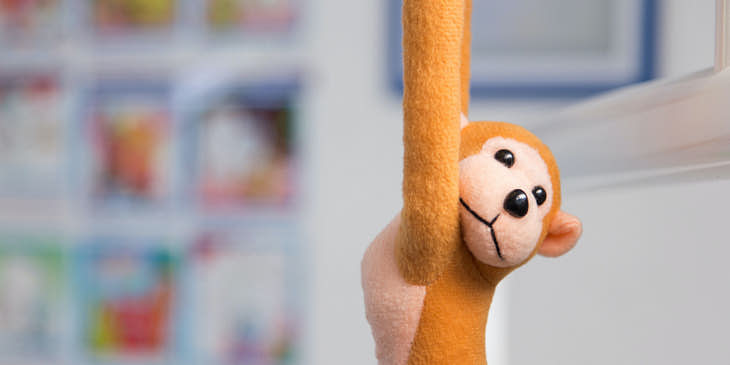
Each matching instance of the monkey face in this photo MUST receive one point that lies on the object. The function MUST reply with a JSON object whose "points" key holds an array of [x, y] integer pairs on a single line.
{"points": [[505, 192]]}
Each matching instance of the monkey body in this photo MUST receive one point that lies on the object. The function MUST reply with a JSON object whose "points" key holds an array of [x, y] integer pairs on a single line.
{"points": [[479, 200], [408, 320], [443, 320]]}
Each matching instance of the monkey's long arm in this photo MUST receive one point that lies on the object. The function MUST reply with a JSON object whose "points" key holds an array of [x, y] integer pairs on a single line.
{"points": [[432, 51], [466, 59]]}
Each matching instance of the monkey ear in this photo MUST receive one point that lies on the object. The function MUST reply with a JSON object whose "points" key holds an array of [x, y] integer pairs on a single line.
{"points": [[464, 121], [563, 234]]}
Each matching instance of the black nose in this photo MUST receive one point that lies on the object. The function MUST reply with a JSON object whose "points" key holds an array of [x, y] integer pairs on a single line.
{"points": [[516, 203]]}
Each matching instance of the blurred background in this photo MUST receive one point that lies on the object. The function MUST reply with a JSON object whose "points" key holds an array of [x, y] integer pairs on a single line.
{"points": [[195, 181]]}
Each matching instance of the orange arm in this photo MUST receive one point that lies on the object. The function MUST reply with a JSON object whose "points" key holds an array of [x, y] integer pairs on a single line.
{"points": [[466, 58], [429, 231]]}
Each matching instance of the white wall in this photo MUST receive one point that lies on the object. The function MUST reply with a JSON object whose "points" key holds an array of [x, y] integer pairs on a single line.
{"points": [[647, 283], [353, 152], [687, 30], [354, 148]]}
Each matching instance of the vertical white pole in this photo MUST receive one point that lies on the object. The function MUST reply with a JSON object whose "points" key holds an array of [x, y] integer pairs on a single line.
{"points": [[722, 35]]}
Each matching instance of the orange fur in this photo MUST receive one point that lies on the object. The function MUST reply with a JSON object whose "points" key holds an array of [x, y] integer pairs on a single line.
{"points": [[454, 315], [473, 137], [429, 249], [466, 58], [429, 231]]}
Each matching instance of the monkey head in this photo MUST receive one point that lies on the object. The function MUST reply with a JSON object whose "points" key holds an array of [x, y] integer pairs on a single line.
{"points": [[509, 197]]}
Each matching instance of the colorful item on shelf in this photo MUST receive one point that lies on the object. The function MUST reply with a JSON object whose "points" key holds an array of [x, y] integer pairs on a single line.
{"points": [[29, 20], [129, 130], [32, 292], [128, 290], [32, 128], [243, 146], [123, 16], [256, 323], [250, 15]]}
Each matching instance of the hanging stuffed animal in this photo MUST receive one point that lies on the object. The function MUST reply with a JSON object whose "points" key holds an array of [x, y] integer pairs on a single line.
{"points": [[479, 200]]}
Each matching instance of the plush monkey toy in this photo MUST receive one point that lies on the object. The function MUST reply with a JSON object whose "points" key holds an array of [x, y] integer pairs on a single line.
{"points": [[479, 200]]}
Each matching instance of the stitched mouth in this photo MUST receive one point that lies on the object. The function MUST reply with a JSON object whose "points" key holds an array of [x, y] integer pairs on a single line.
{"points": [[487, 223]]}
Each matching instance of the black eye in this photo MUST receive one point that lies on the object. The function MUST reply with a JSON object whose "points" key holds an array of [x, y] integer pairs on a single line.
{"points": [[540, 195], [505, 157]]}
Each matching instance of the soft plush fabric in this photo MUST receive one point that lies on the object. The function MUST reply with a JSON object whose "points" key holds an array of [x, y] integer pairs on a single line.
{"points": [[517, 236], [454, 316], [427, 295], [432, 35], [474, 135], [466, 58], [393, 307], [564, 231]]}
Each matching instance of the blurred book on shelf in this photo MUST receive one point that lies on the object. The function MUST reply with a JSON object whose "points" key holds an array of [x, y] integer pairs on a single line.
{"points": [[116, 16], [258, 322], [32, 132], [226, 16], [24, 21], [128, 135], [146, 259], [242, 144], [127, 295], [33, 290]]}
